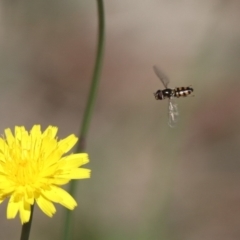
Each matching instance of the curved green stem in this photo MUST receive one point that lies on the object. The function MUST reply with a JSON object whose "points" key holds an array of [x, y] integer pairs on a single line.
{"points": [[26, 227], [89, 109], [95, 78]]}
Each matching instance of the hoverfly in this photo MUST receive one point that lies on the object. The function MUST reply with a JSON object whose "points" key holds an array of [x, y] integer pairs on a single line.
{"points": [[171, 94]]}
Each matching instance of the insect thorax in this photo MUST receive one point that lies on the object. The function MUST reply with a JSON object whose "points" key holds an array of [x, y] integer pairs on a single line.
{"points": [[166, 93]]}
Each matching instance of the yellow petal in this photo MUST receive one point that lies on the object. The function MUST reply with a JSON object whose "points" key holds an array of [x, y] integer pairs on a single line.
{"points": [[61, 196], [67, 143], [74, 160], [48, 146], [9, 136], [60, 181], [3, 148], [52, 159], [29, 196], [50, 132], [24, 211], [12, 208], [79, 173], [20, 132], [35, 132], [46, 206], [51, 195]]}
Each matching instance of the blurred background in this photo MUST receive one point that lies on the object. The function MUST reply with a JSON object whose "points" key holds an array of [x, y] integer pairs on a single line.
{"points": [[148, 181]]}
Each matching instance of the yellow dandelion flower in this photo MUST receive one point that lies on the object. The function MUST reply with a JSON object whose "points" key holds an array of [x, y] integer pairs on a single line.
{"points": [[32, 167]]}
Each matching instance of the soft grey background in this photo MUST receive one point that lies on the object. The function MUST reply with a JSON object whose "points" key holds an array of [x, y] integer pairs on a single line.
{"points": [[148, 181]]}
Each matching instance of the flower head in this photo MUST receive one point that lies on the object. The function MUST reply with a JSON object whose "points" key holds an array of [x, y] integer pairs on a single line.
{"points": [[32, 167]]}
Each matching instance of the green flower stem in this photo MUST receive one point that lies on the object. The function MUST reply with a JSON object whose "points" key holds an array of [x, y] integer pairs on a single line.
{"points": [[89, 109], [26, 227]]}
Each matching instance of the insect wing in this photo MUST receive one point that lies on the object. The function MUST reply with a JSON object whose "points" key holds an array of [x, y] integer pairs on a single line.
{"points": [[172, 113], [164, 79]]}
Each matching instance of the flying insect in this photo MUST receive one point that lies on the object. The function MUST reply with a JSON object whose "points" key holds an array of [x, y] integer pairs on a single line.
{"points": [[170, 94]]}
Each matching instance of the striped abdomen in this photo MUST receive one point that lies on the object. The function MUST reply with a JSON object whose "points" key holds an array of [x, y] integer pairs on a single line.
{"points": [[182, 91]]}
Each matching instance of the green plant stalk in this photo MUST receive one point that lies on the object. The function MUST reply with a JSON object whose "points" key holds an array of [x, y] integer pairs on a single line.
{"points": [[26, 227], [87, 116]]}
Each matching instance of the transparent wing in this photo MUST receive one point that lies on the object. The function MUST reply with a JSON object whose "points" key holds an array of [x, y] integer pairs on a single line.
{"points": [[172, 113], [164, 79]]}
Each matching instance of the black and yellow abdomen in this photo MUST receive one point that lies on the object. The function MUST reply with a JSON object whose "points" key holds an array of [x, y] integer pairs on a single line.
{"points": [[182, 91]]}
